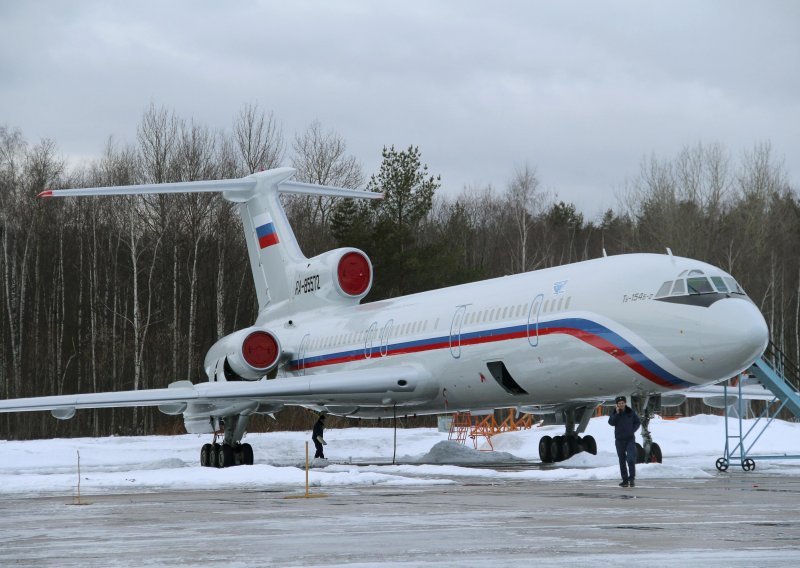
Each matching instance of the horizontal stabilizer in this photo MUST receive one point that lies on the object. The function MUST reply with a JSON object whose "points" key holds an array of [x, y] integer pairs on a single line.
{"points": [[211, 186], [231, 187], [325, 190]]}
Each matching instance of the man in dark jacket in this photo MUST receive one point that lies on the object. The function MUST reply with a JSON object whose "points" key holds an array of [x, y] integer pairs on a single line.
{"points": [[625, 422], [316, 437]]}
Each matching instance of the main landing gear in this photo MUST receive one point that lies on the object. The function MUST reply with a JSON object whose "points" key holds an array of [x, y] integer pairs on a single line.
{"points": [[560, 448], [223, 455], [231, 451]]}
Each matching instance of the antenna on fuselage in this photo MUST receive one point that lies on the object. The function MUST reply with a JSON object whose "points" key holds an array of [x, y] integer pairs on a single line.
{"points": [[669, 252], [605, 254]]}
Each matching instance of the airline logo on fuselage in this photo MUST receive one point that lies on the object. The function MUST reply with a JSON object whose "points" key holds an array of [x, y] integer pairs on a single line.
{"points": [[265, 231]]}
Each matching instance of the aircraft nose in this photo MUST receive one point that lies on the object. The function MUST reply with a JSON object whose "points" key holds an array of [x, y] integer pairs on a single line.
{"points": [[735, 333]]}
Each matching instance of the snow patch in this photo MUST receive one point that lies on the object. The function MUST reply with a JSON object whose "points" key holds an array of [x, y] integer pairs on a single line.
{"points": [[448, 451], [152, 463]]}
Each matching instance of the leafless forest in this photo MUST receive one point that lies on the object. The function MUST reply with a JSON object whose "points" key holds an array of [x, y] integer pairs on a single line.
{"points": [[129, 293]]}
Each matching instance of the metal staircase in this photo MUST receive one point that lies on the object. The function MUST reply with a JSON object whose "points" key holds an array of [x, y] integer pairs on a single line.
{"points": [[781, 376]]}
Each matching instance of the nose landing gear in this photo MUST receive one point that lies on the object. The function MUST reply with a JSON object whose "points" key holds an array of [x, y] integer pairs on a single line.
{"points": [[649, 452]]}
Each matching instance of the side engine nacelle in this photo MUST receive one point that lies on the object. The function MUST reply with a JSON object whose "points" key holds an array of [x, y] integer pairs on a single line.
{"points": [[338, 275], [247, 354]]}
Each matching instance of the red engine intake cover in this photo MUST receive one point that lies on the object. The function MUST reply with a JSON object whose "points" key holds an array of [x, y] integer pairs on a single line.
{"points": [[354, 273], [260, 350]]}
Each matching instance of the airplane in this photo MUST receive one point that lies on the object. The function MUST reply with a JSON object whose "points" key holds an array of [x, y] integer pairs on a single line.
{"points": [[558, 341]]}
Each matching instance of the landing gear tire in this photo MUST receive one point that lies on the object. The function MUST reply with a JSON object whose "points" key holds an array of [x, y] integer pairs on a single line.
{"points": [[573, 445], [225, 456], [749, 464], [560, 448], [556, 449], [546, 449], [246, 454], [639, 453], [213, 456], [205, 455], [589, 445], [722, 464], [655, 453]]}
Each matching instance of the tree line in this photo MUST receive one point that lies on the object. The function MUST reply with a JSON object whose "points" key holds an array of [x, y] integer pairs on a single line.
{"points": [[129, 292]]}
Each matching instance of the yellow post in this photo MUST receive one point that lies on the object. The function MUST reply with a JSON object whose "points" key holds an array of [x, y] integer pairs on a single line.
{"points": [[307, 494]]}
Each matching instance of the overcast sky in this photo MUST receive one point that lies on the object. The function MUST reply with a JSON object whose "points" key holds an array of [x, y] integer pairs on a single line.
{"points": [[579, 90]]}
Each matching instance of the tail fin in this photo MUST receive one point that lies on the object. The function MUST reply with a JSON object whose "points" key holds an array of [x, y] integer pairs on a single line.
{"points": [[275, 256]]}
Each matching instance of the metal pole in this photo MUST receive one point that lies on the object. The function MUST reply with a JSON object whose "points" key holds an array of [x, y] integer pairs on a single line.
{"points": [[394, 452]]}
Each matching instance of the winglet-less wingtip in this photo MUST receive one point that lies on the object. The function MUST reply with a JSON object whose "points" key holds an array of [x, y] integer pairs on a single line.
{"points": [[46, 193]]}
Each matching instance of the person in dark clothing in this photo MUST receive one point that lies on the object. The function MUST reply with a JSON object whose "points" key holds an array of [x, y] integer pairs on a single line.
{"points": [[316, 437], [625, 422]]}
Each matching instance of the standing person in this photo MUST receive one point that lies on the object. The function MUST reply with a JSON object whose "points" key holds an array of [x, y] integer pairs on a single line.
{"points": [[625, 422], [316, 437]]}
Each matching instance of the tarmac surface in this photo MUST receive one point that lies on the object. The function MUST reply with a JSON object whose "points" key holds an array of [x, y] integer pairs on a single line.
{"points": [[733, 519]]}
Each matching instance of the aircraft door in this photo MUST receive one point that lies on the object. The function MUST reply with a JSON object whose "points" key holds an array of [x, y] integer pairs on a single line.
{"points": [[301, 354], [386, 332], [533, 320], [370, 339], [455, 331]]}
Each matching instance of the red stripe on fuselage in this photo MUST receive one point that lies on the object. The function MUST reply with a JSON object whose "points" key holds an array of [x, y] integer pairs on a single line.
{"points": [[587, 337], [604, 345]]}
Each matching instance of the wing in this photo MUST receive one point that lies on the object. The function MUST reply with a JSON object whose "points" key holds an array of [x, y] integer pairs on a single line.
{"points": [[401, 385]]}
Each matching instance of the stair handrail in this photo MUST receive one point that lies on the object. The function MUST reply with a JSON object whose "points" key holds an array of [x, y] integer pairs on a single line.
{"points": [[782, 365]]}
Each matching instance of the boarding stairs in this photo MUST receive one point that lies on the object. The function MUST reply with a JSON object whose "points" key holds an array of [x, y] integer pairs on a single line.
{"points": [[775, 371], [464, 426]]}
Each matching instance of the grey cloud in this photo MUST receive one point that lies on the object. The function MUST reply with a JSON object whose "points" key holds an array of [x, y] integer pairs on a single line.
{"points": [[581, 90]]}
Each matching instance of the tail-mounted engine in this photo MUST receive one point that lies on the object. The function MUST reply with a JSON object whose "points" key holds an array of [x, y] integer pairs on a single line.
{"points": [[248, 354], [341, 275]]}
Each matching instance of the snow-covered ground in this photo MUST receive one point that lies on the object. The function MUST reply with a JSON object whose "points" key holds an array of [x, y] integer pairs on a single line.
{"points": [[690, 447]]}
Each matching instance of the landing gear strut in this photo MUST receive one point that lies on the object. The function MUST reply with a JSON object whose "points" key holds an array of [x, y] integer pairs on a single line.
{"points": [[650, 452], [231, 451], [560, 448]]}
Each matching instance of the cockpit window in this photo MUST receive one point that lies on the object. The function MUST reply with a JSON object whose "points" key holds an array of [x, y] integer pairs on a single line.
{"points": [[664, 290], [679, 288], [719, 284], [699, 285], [694, 282], [733, 285]]}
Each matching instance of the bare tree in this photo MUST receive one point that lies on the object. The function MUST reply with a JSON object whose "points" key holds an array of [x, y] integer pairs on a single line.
{"points": [[158, 142], [259, 138], [523, 203], [320, 157]]}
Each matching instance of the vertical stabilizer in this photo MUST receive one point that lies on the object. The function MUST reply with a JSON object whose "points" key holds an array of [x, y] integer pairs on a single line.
{"points": [[271, 244]]}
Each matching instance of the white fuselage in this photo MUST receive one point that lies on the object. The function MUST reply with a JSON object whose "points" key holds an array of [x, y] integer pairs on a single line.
{"points": [[582, 331]]}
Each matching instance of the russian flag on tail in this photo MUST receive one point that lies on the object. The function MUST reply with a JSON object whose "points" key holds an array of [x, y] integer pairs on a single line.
{"points": [[265, 230]]}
